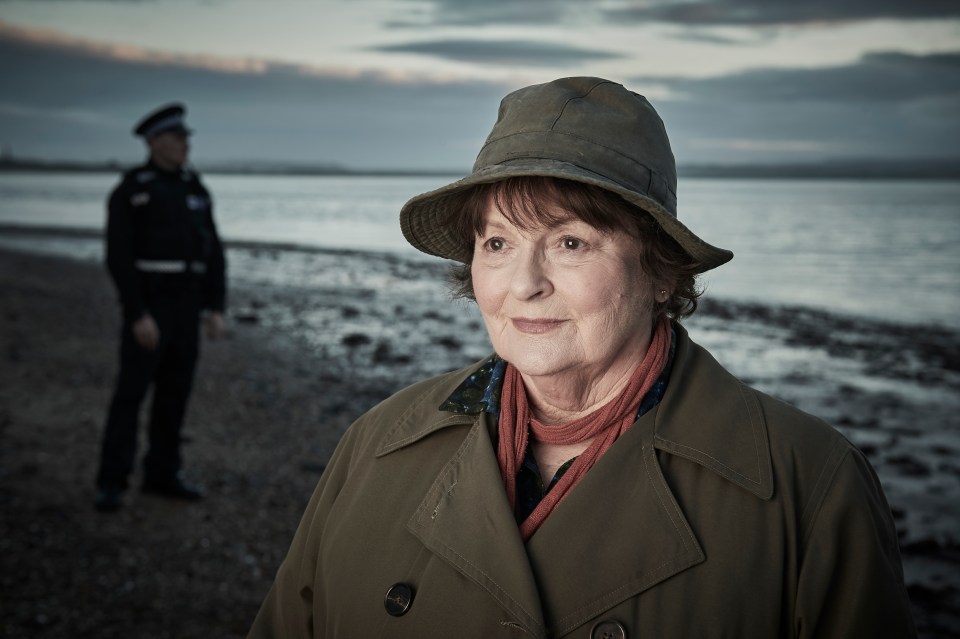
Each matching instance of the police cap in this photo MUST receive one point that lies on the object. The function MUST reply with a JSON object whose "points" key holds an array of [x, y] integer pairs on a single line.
{"points": [[166, 118]]}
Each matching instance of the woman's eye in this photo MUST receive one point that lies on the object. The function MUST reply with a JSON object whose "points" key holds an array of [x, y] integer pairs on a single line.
{"points": [[494, 244], [572, 243]]}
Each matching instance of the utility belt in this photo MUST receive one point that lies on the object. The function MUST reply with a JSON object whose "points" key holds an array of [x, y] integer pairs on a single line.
{"points": [[170, 266]]}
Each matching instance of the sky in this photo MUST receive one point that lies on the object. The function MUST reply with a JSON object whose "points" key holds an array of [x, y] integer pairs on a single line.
{"points": [[415, 84]]}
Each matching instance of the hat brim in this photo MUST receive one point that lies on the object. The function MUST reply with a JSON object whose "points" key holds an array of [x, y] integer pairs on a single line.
{"points": [[174, 129], [423, 219]]}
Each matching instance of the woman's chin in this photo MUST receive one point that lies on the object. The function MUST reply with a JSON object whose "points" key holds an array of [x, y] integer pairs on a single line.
{"points": [[538, 363]]}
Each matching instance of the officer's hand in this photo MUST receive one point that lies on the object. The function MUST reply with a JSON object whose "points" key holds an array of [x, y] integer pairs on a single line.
{"points": [[146, 333], [215, 325]]}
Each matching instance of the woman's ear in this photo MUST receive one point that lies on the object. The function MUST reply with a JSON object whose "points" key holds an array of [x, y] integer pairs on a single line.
{"points": [[661, 293]]}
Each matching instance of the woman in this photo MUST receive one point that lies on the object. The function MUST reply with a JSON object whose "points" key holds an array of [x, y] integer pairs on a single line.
{"points": [[601, 475]]}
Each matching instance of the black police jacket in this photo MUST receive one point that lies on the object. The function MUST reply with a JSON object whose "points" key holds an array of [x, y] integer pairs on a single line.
{"points": [[160, 225]]}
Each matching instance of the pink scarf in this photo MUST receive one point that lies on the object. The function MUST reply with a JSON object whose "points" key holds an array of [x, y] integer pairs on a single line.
{"points": [[605, 425]]}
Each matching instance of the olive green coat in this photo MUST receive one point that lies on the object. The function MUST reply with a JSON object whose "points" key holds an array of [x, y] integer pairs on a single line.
{"points": [[721, 513]]}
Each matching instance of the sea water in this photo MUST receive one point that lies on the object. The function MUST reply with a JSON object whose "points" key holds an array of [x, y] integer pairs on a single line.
{"points": [[887, 249]]}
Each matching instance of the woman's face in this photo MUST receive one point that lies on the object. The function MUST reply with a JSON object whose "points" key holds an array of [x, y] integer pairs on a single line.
{"points": [[561, 300]]}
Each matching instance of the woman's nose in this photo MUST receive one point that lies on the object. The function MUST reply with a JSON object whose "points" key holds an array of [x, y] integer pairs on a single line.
{"points": [[530, 277]]}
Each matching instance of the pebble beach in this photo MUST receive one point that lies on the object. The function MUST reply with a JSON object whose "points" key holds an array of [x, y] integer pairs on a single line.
{"points": [[317, 337]]}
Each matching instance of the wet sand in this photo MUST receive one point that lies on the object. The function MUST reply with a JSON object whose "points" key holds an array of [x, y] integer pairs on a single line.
{"points": [[315, 339]]}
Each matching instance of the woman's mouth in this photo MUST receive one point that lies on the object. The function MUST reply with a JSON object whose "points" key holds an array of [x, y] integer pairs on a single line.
{"points": [[535, 326]]}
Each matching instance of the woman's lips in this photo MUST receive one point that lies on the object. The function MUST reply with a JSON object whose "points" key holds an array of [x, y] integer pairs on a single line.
{"points": [[535, 326]]}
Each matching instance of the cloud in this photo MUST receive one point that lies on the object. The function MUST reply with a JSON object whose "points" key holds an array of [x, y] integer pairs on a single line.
{"points": [[460, 13], [79, 101], [705, 36], [762, 146], [684, 12], [43, 40], [765, 12], [886, 105], [876, 77], [67, 99], [505, 52]]}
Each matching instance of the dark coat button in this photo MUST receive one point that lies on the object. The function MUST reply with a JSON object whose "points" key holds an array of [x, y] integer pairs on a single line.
{"points": [[398, 599], [608, 630]]}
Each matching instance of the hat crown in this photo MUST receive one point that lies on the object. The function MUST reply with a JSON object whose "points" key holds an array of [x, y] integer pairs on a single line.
{"points": [[167, 118], [593, 123], [586, 130]]}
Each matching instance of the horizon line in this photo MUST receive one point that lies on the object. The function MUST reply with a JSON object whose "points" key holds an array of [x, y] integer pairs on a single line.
{"points": [[930, 167]]}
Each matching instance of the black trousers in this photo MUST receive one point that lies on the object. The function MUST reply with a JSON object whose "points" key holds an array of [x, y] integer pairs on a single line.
{"points": [[170, 369]]}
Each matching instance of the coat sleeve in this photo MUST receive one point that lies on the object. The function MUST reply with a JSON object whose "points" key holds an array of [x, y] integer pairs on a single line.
{"points": [[851, 577], [288, 610], [120, 252], [216, 281]]}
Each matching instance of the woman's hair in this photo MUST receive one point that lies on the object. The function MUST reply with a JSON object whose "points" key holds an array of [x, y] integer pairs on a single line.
{"points": [[528, 202]]}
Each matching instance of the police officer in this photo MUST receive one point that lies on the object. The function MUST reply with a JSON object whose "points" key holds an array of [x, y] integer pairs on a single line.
{"points": [[167, 263]]}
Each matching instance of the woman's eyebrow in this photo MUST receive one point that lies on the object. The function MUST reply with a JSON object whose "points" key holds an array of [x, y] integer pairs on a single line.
{"points": [[495, 224]]}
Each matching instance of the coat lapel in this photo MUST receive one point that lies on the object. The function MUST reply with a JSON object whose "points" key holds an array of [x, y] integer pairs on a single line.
{"points": [[465, 519], [710, 417], [622, 522], [620, 531]]}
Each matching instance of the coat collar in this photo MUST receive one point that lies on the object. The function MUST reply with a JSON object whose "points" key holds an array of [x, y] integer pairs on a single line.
{"points": [[706, 415], [712, 418]]}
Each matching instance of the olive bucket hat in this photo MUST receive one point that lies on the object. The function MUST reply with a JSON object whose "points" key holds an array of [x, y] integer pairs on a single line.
{"points": [[587, 130]]}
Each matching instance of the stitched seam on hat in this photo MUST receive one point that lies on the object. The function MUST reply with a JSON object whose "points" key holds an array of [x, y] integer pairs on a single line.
{"points": [[578, 137], [606, 178], [585, 168], [579, 97]]}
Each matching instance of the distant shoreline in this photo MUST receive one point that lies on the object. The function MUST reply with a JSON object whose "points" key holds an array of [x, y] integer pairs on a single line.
{"points": [[112, 166], [815, 320], [927, 169], [84, 233]]}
